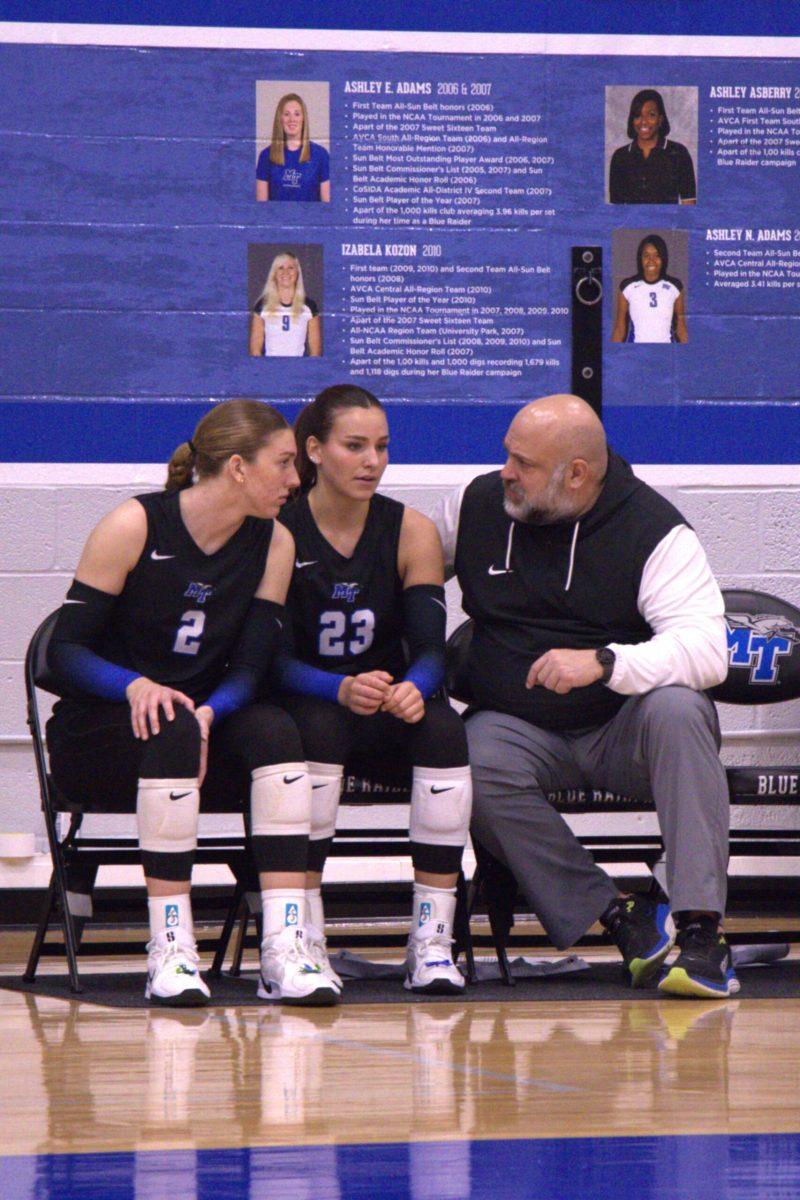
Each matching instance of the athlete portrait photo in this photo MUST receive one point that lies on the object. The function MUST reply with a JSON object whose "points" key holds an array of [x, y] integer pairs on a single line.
{"points": [[649, 284], [652, 167], [284, 286], [290, 165]]}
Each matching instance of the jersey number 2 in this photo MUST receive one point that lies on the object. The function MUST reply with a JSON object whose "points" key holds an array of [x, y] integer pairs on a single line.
{"points": [[190, 631], [334, 633]]}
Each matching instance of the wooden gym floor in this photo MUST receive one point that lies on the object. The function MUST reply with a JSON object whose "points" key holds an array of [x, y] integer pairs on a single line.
{"points": [[653, 1099]]}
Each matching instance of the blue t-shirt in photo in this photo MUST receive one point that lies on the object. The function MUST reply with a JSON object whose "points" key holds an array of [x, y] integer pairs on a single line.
{"points": [[295, 180]]}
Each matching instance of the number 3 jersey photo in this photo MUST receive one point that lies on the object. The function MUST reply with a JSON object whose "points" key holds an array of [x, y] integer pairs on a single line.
{"points": [[346, 614], [181, 610], [651, 308]]}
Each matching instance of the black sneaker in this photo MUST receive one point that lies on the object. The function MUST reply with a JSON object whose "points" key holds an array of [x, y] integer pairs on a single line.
{"points": [[644, 932], [704, 966]]}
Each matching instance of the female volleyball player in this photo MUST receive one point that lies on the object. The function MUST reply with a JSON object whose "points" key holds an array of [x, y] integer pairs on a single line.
{"points": [[292, 167], [160, 645], [650, 304], [367, 615], [285, 322]]}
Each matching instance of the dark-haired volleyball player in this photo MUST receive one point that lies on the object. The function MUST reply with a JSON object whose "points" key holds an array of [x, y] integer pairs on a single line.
{"points": [[651, 305], [368, 577]]}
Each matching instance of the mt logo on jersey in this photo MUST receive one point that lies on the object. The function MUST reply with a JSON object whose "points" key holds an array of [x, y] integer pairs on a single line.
{"points": [[345, 591], [199, 592]]}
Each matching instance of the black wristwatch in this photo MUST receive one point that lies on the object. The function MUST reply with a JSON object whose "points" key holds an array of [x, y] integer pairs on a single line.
{"points": [[606, 658]]}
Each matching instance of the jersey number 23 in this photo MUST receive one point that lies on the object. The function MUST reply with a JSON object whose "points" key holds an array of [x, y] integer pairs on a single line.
{"points": [[342, 633]]}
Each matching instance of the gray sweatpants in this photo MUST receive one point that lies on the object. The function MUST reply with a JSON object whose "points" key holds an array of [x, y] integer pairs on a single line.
{"points": [[661, 747]]}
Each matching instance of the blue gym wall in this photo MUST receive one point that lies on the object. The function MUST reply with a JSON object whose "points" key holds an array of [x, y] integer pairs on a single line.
{"points": [[128, 208]]}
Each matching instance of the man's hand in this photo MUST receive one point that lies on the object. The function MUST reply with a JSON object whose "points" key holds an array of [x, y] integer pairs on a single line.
{"points": [[562, 670], [364, 694], [405, 702]]}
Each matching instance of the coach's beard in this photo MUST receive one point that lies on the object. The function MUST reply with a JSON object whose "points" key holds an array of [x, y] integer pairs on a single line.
{"points": [[553, 506]]}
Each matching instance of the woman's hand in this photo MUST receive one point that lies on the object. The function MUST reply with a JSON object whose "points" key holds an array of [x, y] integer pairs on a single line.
{"points": [[405, 702], [364, 694], [205, 717], [145, 698]]}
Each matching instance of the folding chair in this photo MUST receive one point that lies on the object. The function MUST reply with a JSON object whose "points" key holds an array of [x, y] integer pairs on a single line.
{"points": [[76, 859]]}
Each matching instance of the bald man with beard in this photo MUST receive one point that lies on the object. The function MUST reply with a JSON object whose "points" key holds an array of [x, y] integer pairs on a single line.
{"points": [[598, 626]]}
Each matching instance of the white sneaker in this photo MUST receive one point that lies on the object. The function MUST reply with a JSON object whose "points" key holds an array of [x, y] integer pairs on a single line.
{"points": [[318, 953], [430, 966], [289, 973], [173, 970]]}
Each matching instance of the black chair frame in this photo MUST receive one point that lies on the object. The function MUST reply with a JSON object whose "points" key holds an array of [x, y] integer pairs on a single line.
{"points": [[76, 859]]}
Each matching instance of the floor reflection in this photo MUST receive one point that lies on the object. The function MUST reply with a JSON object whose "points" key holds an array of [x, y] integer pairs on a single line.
{"points": [[425, 1102]]}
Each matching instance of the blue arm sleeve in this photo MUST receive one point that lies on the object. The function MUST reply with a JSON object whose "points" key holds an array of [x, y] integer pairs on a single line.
{"points": [[425, 614], [251, 656], [297, 676], [84, 616], [293, 675]]}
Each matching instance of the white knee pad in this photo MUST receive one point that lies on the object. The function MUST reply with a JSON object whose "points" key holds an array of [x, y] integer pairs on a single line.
{"points": [[326, 788], [441, 804], [166, 814], [280, 800]]}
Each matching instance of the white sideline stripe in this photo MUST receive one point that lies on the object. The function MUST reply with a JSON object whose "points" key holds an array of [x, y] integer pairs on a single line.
{"points": [[414, 41], [113, 475]]}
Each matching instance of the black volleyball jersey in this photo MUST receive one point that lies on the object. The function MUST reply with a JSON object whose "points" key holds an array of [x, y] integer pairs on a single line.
{"points": [[346, 614], [180, 612]]}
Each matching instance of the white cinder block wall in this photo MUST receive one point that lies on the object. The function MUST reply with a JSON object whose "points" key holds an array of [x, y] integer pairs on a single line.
{"points": [[747, 517]]}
